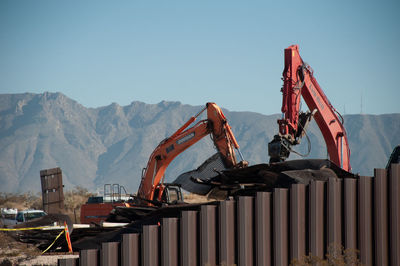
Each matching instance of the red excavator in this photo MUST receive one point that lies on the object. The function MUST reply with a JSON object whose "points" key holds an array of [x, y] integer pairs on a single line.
{"points": [[299, 81], [153, 192]]}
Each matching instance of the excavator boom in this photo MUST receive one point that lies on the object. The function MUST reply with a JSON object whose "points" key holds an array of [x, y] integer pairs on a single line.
{"points": [[299, 81], [216, 125]]}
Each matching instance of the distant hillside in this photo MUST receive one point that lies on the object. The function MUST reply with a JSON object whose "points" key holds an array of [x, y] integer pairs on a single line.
{"points": [[112, 144]]}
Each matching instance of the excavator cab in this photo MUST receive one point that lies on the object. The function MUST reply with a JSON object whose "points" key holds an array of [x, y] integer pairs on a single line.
{"points": [[170, 194]]}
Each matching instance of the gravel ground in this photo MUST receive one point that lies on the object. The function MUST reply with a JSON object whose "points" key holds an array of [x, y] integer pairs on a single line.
{"points": [[16, 253], [39, 260]]}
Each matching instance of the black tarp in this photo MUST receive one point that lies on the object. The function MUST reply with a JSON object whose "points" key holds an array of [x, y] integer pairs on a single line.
{"points": [[262, 177]]}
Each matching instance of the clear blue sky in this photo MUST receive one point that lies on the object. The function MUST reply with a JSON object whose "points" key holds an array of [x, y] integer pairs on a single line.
{"points": [[228, 52]]}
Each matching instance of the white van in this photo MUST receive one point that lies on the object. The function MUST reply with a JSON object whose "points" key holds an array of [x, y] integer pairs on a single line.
{"points": [[27, 215], [11, 217]]}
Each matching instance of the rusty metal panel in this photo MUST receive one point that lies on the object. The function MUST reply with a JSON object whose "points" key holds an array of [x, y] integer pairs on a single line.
{"points": [[245, 214], [51, 182], [350, 214], [150, 245], [394, 207], [263, 229], [51, 171], [169, 242], [130, 250], [316, 218], [52, 190], [89, 257], [52, 197], [298, 221], [208, 235], [334, 213], [189, 245], [281, 226], [381, 217], [365, 240], [227, 233], [109, 254], [68, 262]]}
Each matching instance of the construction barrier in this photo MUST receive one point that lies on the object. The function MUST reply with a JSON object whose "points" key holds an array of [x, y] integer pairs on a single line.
{"points": [[274, 228], [25, 229], [67, 237]]}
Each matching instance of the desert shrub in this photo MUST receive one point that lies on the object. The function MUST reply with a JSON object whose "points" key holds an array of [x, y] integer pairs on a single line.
{"points": [[20, 201], [194, 198], [73, 200], [336, 255]]}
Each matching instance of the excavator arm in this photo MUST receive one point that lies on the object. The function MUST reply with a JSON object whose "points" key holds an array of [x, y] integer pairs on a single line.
{"points": [[215, 125], [299, 81]]}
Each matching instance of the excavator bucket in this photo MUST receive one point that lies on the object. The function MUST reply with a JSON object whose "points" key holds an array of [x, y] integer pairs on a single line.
{"points": [[196, 181]]}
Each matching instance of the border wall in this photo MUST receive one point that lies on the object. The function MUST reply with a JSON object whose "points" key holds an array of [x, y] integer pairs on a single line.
{"points": [[272, 228]]}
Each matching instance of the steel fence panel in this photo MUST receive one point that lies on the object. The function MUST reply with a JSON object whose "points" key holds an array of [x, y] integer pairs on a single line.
{"points": [[365, 205], [208, 235], [298, 226], [130, 250], [280, 225], [263, 227], [381, 217]]}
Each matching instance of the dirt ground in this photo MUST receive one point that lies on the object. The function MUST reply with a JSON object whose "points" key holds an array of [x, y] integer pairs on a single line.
{"points": [[13, 252]]}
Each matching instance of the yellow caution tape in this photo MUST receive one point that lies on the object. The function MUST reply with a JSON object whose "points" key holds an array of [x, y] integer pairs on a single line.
{"points": [[24, 229], [54, 241], [45, 227]]}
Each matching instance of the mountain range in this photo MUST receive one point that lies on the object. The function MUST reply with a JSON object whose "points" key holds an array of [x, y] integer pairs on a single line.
{"points": [[111, 144]]}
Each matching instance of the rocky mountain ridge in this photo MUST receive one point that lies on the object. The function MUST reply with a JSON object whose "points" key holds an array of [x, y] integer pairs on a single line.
{"points": [[112, 144]]}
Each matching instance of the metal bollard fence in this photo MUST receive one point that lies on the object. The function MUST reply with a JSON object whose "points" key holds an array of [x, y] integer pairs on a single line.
{"points": [[272, 228]]}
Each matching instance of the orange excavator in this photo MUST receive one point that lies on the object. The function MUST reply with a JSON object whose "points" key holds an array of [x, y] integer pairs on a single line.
{"points": [[298, 80], [153, 191]]}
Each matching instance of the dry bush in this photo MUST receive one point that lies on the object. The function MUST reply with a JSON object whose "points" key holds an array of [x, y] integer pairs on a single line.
{"points": [[336, 255], [194, 198], [73, 200], [20, 201]]}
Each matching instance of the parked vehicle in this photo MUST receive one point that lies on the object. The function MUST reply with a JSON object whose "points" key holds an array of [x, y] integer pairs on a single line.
{"points": [[8, 216], [11, 217], [27, 215]]}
